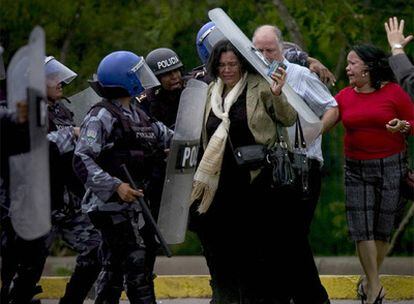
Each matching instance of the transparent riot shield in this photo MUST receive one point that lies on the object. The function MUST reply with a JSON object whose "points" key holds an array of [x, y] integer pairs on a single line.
{"points": [[81, 102], [182, 162], [311, 124], [29, 171], [2, 68]]}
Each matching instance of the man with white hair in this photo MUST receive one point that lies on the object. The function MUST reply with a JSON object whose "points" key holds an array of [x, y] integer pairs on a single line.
{"points": [[268, 40]]}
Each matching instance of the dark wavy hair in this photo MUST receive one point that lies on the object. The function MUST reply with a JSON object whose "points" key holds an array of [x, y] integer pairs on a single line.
{"points": [[214, 60], [377, 62]]}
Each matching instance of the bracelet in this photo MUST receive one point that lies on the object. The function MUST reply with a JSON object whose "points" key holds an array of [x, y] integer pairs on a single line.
{"points": [[396, 46]]}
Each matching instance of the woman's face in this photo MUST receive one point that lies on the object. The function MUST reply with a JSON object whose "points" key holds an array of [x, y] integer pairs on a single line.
{"points": [[356, 70], [229, 68]]}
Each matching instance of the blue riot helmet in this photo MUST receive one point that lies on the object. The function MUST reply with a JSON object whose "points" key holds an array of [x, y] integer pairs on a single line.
{"points": [[207, 37], [123, 74], [57, 72]]}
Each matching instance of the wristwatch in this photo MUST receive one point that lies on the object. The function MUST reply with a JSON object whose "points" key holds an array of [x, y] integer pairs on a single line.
{"points": [[396, 46]]}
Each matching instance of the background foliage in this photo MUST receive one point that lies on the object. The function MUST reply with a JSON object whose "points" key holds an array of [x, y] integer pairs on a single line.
{"points": [[79, 33]]}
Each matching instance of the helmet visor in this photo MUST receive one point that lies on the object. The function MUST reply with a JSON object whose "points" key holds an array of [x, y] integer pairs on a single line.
{"points": [[145, 75], [57, 73], [210, 38]]}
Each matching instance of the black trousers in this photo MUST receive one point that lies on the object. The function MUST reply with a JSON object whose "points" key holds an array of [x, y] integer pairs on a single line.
{"points": [[307, 287], [22, 265], [124, 264]]}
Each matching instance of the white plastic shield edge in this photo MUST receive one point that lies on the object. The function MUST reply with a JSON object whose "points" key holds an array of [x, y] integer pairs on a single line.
{"points": [[29, 172], [81, 102], [311, 124], [182, 162], [2, 68]]}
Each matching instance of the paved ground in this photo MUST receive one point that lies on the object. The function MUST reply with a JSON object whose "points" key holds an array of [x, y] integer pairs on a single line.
{"points": [[196, 265], [206, 301]]}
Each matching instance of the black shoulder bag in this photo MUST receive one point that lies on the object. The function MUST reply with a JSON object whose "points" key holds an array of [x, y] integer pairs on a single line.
{"points": [[251, 157], [300, 161]]}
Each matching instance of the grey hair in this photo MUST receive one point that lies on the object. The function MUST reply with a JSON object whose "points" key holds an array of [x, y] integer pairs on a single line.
{"points": [[275, 30]]}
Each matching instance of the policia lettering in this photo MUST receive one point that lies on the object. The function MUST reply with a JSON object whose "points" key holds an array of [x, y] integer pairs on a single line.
{"points": [[168, 62], [163, 60], [187, 156]]}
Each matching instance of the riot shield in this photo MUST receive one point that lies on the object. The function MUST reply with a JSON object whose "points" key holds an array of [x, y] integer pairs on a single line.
{"points": [[2, 68], [182, 162], [81, 102], [29, 171], [311, 124]]}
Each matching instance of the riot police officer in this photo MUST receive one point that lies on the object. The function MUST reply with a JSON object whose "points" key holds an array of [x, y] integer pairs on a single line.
{"points": [[162, 102], [116, 132], [68, 221], [22, 260]]}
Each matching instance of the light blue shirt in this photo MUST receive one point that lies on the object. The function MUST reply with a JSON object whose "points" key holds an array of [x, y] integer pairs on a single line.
{"points": [[316, 95]]}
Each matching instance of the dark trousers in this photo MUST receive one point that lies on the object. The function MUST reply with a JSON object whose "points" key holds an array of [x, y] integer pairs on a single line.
{"points": [[22, 265], [124, 262], [304, 275], [77, 231]]}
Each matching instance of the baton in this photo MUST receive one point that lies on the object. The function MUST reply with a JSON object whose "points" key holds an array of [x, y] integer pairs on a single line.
{"points": [[147, 213]]}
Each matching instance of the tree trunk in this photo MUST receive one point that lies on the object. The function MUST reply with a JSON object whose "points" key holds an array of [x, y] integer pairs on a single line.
{"points": [[70, 32], [290, 23]]}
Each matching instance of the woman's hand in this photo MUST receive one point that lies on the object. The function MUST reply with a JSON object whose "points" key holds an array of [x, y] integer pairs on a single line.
{"points": [[278, 78], [396, 125]]}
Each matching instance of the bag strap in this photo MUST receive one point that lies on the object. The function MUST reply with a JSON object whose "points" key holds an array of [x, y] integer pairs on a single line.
{"points": [[280, 139], [299, 138], [230, 142]]}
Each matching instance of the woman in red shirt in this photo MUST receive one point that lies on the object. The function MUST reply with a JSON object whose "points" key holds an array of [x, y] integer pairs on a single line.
{"points": [[377, 115]]}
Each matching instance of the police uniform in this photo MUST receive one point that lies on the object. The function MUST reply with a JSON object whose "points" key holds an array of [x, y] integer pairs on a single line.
{"points": [[68, 221], [22, 261], [112, 135]]}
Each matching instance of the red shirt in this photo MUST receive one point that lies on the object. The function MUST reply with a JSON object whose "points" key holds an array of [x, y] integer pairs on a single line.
{"points": [[364, 116]]}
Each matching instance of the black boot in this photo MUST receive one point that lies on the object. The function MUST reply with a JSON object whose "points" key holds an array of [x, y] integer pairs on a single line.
{"points": [[17, 297], [80, 284]]}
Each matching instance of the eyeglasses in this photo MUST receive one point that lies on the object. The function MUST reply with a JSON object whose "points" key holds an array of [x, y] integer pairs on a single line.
{"points": [[231, 65]]}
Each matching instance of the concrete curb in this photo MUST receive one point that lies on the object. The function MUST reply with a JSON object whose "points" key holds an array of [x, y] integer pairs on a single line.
{"points": [[197, 286]]}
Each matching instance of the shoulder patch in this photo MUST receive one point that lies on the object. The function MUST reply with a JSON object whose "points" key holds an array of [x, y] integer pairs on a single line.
{"points": [[91, 135]]}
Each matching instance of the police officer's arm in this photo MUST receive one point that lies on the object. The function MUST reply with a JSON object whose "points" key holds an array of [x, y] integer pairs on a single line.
{"points": [[163, 133], [293, 53], [65, 139], [92, 140], [324, 74]]}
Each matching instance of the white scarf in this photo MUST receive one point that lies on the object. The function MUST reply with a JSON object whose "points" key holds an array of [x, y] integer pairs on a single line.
{"points": [[207, 176]]}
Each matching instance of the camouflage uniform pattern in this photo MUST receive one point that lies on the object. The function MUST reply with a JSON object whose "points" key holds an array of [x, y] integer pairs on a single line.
{"points": [[93, 139], [126, 257], [68, 221]]}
